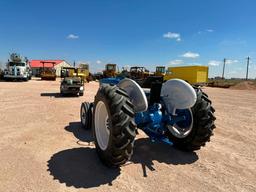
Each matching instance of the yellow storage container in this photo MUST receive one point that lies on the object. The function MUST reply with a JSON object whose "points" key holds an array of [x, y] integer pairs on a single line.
{"points": [[191, 74]]}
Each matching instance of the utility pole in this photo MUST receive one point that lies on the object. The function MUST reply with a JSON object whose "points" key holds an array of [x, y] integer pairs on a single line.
{"points": [[224, 64], [248, 62]]}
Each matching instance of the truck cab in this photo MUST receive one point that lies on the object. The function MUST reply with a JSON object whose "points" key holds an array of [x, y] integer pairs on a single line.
{"points": [[17, 68], [72, 82]]}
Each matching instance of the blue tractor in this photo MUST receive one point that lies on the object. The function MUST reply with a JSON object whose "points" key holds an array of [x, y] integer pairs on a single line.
{"points": [[173, 112]]}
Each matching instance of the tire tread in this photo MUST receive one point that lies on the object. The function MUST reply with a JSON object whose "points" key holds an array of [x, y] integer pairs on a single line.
{"points": [[123, 126]]}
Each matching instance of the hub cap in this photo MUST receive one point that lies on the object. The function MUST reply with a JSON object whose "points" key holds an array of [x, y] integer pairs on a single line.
{"points": [[101, 122], [182, 128], [83, 116]]}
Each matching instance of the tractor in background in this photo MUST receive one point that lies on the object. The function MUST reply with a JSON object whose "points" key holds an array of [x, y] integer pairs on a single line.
{"points": [[160, 71], [137, 72], [143, 77], [97, 76], [83, 71], [110, 71], [48, 73], [173, 112]]}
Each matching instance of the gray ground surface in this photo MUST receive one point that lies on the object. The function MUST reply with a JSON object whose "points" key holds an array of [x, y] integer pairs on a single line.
{"points": [[42, 147]]}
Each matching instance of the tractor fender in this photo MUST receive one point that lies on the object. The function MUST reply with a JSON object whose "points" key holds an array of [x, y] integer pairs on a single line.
{"points": [[136, 94], [178, 94]]}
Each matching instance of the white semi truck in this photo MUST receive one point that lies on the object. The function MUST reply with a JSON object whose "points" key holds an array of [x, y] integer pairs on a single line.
{"points": [[17, 68]]}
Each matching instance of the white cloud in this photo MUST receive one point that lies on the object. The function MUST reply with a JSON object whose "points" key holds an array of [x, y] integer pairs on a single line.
{"points": [[72, 36], [205, 31], [176, 62], [190, 55], [210, 30], [214, 63], [229, 61], [171, 35], [217, 63], [98, 61]]}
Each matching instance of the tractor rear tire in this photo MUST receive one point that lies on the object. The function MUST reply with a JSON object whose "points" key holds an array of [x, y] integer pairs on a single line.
{"points": [[113, 125], [86, 115], [203, 125]]}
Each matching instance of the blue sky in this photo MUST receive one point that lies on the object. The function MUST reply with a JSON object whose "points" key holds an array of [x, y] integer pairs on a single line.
{"points": [[134, 32]]}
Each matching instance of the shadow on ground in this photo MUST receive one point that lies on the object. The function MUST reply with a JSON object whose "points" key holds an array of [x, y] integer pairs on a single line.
{"points": [[81, 167], [146, 152], [13, 81], [80, 133], [39, 79], [58, 95], [50, 95]]}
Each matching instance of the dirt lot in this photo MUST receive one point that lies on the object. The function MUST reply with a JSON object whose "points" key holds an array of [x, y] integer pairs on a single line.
{"points": [[42, 147]]}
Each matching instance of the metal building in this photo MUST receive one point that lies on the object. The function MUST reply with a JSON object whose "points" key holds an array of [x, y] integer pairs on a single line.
{"points": [[37, 66]]}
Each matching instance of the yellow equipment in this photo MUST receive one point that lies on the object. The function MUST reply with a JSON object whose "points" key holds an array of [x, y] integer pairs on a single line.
{"points": [[191, 74], [139, 72], [68, 72], [83, 73], [83, 70], [160, 71], [110, 71], [48, 73]]}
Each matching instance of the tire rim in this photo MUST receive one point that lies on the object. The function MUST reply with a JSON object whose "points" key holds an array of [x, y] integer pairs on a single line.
{"points": [[183, 128], [101, 122], [83, 115]]}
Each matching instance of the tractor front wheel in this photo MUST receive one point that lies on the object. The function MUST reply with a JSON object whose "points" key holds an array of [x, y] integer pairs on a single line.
{"points": [[201, 116], [86, 115], [114, 127]]}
